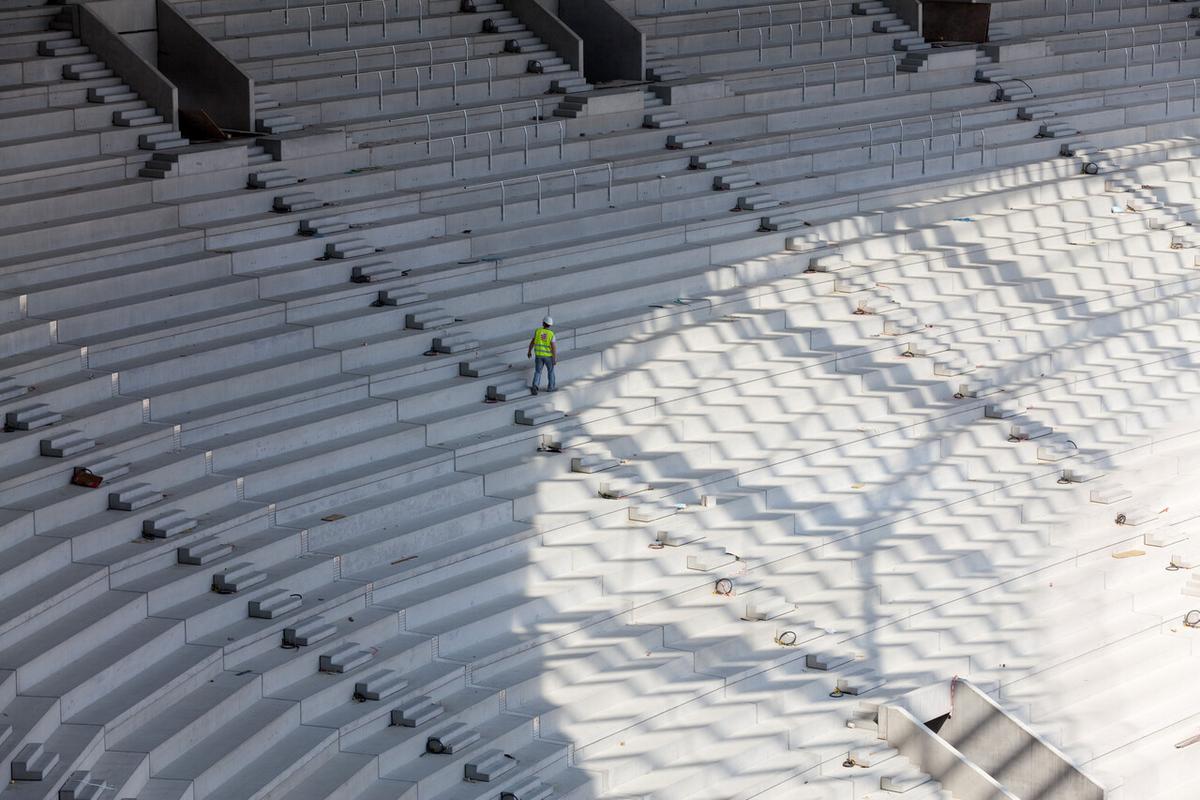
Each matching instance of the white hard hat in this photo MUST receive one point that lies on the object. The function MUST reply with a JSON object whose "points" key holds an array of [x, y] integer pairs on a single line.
{"points": [[547, 321]]}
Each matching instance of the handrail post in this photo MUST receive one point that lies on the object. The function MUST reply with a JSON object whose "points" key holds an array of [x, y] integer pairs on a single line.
{"points": [[489, 135], [539, 195], [610, 181], [525, 130], [380, 75], [417, 72], [574, 188], [355, 67], [428, 135]]}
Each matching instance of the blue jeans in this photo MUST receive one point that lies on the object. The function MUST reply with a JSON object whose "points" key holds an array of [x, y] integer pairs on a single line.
{"points": [[548, 363]]}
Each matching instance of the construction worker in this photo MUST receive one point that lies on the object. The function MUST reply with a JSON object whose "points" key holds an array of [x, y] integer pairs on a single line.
{"points": [[542, 346]]}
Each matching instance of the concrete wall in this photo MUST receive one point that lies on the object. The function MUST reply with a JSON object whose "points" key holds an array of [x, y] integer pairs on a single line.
{"points": [[140, 73], [135, 20], [1016, 756], [208, 81], [934, 756], [549, 28], [910, 11], [614, 47]]}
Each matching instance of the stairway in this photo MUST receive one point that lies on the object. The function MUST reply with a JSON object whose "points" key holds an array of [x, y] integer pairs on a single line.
{"points": [[1010, 88], [134, 113]]}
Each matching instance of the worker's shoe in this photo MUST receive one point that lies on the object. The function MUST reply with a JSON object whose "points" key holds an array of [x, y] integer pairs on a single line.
{"points": [[533, 389]]}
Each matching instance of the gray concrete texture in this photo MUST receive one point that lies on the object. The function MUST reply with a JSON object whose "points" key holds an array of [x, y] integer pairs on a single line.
{"points": [[803, 304]]}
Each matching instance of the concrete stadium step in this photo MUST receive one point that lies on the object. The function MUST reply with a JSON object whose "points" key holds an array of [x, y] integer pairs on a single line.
{"points": [[87, 229], [138, 311], [341, 774], [234, 449], [242, 736], [267, 475], [446, 771], [53, 296], [372, 549], [38, 655], [663, 679], [56, 594], [198, 360], [109, 666], [34, 762], [470, 634], [436, 538], [371, 511], [393, 470]]}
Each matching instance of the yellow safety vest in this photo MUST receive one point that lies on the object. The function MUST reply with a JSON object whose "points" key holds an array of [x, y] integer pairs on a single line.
{"points": [[542, 339]]}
